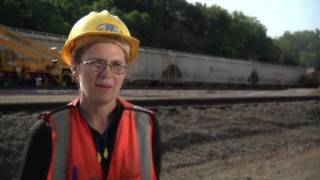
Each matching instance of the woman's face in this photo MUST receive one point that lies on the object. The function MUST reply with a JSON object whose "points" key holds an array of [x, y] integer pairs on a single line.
{"points": [[98, 83]]}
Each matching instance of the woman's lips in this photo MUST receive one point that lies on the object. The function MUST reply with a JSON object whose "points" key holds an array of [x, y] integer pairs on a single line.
{"points": [[105, 86]]}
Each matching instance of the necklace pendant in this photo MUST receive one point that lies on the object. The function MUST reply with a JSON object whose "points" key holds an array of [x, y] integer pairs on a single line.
{"points": [[105, 153]]}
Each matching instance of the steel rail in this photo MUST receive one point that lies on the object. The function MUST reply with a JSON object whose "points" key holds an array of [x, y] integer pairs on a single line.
{"points": [[156, 102]]}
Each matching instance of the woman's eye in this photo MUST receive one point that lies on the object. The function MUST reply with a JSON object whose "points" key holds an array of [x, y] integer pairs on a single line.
{"points": [[99, 62], [116, 64], [95, 63]]}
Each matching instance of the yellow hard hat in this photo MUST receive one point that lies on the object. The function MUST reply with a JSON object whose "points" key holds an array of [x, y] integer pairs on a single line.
{"points": [[99, 24]]}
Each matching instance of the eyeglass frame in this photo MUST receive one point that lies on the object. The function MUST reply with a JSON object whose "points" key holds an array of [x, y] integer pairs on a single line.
{"points": [[101, 65]]}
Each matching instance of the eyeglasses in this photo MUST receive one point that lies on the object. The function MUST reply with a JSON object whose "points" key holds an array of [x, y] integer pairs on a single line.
{"points": [[98, 65]]}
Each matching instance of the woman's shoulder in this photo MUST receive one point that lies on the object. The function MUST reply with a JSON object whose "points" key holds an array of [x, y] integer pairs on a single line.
{"points": [[40, 128], [129, 106], [45, 116], [142, 109]]}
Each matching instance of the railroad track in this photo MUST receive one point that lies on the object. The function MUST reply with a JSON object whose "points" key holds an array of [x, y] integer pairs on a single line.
{"points": [[156, 102]]}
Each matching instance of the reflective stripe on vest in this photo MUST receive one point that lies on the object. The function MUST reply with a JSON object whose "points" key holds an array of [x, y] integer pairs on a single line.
{"points": [[62, 144], [143, 129]]}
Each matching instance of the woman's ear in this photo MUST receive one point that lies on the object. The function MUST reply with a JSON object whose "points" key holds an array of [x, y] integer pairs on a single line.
{"points": [[74, 71]]}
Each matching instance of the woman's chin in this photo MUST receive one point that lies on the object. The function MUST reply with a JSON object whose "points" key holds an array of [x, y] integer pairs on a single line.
{"points": [[103, 99], [101, 95]]}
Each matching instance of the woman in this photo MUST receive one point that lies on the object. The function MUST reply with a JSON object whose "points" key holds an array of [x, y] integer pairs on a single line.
{"points": [[98, 135]]}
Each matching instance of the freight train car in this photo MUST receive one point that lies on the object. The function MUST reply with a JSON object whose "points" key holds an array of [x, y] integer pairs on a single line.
{"points": [[311, 78], [157, 67], [170, 67]]}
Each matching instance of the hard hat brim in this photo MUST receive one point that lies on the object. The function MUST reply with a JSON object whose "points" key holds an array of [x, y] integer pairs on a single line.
{"points": [[66, 52]]}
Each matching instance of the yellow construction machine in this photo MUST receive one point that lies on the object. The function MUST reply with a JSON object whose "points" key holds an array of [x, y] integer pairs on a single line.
{"points": [[24, 61]]}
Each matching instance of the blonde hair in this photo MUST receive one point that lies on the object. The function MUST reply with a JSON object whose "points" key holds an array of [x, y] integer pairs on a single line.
{"points": [[84, 43]]}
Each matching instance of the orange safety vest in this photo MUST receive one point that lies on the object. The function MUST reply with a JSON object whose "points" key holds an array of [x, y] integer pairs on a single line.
{"points": [[74, 156]]}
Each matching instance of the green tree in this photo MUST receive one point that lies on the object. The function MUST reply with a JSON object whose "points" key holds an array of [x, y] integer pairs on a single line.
{"points": [[138, 23], [173, 24], [249, 38], [301, 47], [18, 11]]}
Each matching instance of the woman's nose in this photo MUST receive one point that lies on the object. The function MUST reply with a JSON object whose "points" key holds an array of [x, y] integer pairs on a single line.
{"points": [[106, 72]]}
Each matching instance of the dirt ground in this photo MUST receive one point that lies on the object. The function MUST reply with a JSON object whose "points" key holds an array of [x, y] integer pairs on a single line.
{"points": [[264, 141]]}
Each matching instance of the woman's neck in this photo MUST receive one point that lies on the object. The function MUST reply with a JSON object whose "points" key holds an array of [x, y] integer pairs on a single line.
{"points": [[97, 114]]}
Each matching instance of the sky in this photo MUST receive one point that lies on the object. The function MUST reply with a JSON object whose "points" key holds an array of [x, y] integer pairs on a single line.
{"points": [[277, 15]]}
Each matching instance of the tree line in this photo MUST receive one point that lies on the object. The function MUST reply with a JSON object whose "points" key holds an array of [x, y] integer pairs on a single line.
{"points": [[176, 25]]}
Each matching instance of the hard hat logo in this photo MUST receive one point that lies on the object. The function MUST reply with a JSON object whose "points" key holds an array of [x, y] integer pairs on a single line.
{"points": [[109, 27]]}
